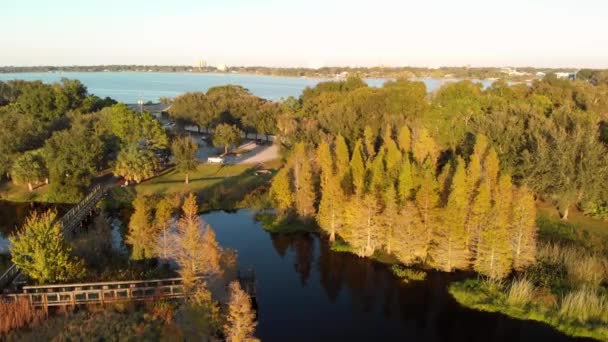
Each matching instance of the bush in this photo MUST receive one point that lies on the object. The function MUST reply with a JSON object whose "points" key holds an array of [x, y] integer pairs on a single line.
{"points": [[408, 274]]}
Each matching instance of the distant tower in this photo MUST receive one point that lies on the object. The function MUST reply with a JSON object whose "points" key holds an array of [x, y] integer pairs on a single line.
{"points": [[202, 64], [140, 103]]}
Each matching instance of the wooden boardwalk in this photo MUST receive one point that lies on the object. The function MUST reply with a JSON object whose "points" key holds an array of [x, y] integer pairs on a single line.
{"points": [[113, 291], [70, 221], [100, 293]]}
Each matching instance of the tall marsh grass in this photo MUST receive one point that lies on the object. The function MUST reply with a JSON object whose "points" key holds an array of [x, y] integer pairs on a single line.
{"points": [[585, 305], [521, 292], [583, 268], [18, 314]]}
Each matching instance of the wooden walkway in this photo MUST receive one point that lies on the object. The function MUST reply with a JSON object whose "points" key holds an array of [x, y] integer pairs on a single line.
{"points": [[100, 293], [70, 221], [114, 291]]}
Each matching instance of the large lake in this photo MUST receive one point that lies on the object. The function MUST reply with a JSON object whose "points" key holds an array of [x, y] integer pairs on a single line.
{"points": [[306, 292], [128, 87]]}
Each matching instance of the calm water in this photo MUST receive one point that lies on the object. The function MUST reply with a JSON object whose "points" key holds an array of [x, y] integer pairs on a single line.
{"points": [[129, 86], [306, 292]]}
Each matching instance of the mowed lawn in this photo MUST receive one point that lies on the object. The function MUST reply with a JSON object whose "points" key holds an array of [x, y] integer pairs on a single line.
{"points": [[20, 193], [205, 177]]}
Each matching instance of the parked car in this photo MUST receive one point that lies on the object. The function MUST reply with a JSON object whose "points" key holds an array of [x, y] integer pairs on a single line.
{"points": [[215, 160]]}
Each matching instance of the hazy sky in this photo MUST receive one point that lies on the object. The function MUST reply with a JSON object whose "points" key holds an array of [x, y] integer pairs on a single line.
{"points": [[305, 33]]}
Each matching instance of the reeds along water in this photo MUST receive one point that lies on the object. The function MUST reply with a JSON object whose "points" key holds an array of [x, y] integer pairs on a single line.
{"points": [[18, 314]]}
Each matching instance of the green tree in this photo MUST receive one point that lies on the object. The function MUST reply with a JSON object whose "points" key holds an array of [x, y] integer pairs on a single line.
{"points": [[226, 135], [29, 169], [392, 157], [40, 251], [136, 164], [240, 323], [184, 151]]}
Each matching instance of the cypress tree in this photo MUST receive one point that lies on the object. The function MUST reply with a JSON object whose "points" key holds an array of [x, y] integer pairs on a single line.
{"points": [[377, 174], [390, 217], [141, 230], [303, 185], [405, 139], [325, 163], [494, 255], [370, 142], [406, 180], [357, 169], [392, 157], [281, 191], [523, 234], [478, 217], [342, 156], [424, 147], [427, 198], [449, 250], [491, 169], [410, 241]]}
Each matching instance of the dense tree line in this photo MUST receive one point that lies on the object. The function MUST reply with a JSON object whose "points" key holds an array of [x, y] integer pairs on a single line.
{"points": [[400, 197], [549, 135], [228, 105], [60, 135]]}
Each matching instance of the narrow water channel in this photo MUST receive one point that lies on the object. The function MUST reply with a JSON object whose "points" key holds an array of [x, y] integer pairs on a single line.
{"points": [[306, 292]]}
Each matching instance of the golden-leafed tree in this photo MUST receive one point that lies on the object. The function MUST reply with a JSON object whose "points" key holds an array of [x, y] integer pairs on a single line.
{"points": [[410, 241], [240, 323], [405, 139], [369, 138], [162, 223], [427, 198], [195, 249], [357, 169], [362, 224], [491, 169], [494, 255], [281, 190], [303, 184], [424, 147], [392, 158], [478, 218], [330, 213], [406, 183], [377, 179], [141, 235], [389, 218], [449, 249], [342, 156], [523, 229]]}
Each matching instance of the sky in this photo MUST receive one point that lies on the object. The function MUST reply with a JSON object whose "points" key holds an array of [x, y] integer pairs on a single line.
{"points": [[310, 33]]}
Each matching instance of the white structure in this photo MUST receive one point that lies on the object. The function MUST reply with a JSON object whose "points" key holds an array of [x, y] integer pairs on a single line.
{"points": [[215, 160], [221, 67]]}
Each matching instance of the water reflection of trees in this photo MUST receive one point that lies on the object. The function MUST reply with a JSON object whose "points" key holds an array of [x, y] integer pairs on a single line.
{"points": [[302, 246]]}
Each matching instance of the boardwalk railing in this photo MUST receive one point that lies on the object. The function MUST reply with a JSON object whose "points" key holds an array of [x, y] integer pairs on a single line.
{"points": [[8, 276], [103, 292], [69, 221]]}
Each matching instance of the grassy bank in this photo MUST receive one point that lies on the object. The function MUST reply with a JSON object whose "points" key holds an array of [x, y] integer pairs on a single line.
{"points": [[566, 288], [272, 223], [582, 313]]}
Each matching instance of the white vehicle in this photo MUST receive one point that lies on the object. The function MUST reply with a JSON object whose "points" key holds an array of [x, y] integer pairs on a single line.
{"points": [[215, 160]]}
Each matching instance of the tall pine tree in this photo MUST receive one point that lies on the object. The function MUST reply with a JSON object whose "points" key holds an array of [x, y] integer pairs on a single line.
{"points": [[523, 225]]}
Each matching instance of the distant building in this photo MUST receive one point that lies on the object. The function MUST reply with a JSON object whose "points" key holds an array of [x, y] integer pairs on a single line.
{"points": [[201, 64], [540, 74], [221, 67], [513, 72], [568, 75]]}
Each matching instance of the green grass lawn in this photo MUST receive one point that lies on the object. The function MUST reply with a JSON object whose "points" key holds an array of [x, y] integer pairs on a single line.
{"points": [[20, 193], [216, 186]]}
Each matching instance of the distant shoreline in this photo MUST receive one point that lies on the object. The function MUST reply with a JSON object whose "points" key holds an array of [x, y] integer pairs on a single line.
{"points": [[458, 73]]}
